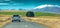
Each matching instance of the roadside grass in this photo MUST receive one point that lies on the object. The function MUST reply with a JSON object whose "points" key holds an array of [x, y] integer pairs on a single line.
{"points": [[46, 14], [24, 13], [12, 13], [37, 14]]}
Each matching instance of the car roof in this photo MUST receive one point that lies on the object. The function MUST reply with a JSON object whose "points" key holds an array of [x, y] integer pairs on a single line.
{"points": [[15, 14]]}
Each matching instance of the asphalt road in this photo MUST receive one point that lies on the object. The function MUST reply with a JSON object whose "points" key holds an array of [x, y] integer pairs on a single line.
{"points": [[24, 25]]}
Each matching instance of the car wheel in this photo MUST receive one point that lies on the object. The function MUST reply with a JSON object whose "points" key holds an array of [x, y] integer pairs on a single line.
{"points": [[19, 21], [12, 21]]}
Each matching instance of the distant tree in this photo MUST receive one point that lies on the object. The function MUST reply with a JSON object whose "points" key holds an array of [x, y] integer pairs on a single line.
{"points": [[20, 9], [0, 9], [12, 9], [30, 14]]}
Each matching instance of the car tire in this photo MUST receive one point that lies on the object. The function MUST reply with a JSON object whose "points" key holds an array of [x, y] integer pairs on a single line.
{"points": [[12, 21], [19, 21]]}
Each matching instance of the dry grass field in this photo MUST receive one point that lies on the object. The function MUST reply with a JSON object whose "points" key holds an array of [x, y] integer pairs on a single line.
{"points": [[4, 19], [50, 21]]}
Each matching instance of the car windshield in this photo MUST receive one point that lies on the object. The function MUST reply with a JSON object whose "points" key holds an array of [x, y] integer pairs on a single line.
{"points": [[15, 15]]}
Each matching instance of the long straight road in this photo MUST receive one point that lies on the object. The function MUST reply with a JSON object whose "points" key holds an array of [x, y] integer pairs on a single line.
{"points": [[24, 25]]}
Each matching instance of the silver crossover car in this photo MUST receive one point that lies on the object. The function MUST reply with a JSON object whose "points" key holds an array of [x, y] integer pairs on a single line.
{"points": [[15, 18]]}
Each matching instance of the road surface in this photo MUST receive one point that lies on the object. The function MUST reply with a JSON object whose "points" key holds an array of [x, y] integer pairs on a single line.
{"points": [[24, 25]]}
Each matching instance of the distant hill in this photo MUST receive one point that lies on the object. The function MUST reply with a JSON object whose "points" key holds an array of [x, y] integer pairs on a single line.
{"points": [[51, 9]]}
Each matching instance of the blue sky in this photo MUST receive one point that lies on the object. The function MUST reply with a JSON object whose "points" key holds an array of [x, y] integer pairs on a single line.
{"points": [[26, 4]]}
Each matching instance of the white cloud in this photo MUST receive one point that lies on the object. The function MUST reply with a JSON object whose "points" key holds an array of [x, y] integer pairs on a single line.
{"points": [[7, 0], [4, 4], [42, 6]]}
